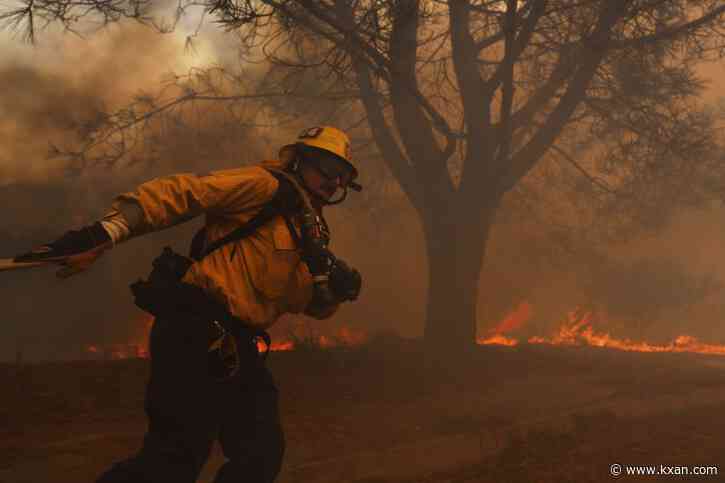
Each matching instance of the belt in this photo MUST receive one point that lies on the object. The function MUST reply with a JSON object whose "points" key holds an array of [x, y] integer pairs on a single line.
{"points": [[196, 301], [165, 294], [244, 332]]}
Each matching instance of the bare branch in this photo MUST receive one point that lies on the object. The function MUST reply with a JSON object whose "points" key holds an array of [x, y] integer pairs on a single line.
{"points": [[525, 158], [599, 183], [672, 33], [516, 47], [37, 14], [507, 76]]}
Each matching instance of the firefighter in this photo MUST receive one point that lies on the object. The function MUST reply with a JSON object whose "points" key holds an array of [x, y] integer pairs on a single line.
{"points": [[208, 378]]}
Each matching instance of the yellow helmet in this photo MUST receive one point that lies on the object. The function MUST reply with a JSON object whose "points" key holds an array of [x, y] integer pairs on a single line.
{"points": [[330, 139]]}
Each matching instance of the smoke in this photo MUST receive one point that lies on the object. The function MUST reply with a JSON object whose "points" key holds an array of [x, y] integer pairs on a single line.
{"points": [[51, 95]]}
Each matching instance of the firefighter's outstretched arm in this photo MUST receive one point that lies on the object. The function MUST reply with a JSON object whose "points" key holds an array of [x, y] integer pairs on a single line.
{"points": [[75, 251], [154, 205]]}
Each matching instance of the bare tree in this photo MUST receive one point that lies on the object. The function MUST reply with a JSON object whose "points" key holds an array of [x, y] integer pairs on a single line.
{"points": [[465, 98]]}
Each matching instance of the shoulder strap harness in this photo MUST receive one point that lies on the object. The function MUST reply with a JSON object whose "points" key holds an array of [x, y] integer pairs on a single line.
{"points": [[289, 198]]}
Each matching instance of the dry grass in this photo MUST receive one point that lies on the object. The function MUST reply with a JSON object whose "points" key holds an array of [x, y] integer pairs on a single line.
{"points": [[534, 414]]}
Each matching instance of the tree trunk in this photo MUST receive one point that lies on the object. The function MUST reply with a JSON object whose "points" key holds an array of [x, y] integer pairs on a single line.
{"points": [[455, 249]]}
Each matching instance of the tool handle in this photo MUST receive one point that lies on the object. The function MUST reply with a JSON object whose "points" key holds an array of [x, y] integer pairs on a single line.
{"points": [[9, 264]]}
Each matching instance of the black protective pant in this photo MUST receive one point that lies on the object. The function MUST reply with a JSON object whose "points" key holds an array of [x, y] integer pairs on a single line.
{"points": [[187, 410]]}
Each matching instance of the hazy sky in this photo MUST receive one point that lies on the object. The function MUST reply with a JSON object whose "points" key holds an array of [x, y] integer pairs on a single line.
{"points": [[117, 62], [142, 65]]}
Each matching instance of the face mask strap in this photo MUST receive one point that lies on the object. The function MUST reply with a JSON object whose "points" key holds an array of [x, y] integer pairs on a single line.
{"points": [[295, 164], [339, 200]]}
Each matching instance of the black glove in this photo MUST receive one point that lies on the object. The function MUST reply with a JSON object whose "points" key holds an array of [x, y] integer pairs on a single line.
{"points": [[75, 251], [345, 282], [72, 243], [318, 260]]}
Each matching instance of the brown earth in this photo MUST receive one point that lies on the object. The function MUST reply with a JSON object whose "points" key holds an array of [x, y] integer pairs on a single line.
{"points": [[373, 414]]}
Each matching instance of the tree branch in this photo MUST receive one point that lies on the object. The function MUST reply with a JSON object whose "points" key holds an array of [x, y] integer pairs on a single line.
{"points": [[506, 73], [414, 127], [563, 70], [382, 132], [530, 154], [377, 62], [516, 47], [667, 34], [595, 181], [476, 106]]}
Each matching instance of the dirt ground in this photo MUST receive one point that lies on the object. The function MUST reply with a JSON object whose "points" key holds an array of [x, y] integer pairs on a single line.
{"points": [[374, 414]]}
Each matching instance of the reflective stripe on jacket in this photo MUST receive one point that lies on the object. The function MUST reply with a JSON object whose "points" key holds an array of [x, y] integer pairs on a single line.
{"points": [[257, 278]]}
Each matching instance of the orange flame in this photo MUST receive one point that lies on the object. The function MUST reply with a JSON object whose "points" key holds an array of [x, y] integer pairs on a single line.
{"points": [[345, 336], [578, 331], [281, 346], [136, 348], [515, 320], [497, 339], [118, 351]]}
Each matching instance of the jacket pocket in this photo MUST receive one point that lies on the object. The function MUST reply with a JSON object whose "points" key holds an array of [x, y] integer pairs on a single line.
{"points": [[274, 264]]}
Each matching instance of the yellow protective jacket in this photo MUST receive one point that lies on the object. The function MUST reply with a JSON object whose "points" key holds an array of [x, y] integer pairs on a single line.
{"points": [[257, 278]]}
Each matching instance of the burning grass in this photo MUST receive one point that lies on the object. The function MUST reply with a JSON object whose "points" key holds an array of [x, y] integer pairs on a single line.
{"points": [[579, 330]]}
